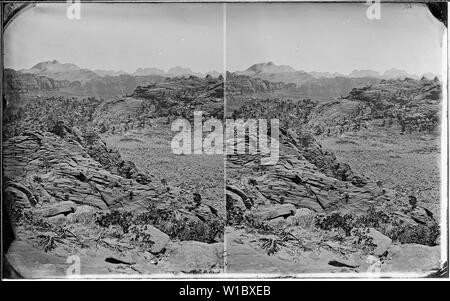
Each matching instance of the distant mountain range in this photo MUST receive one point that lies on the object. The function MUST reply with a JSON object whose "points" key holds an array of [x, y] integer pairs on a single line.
{"points": [[267, 71], [109, 72], [71, 72], [70, 79], [287, 74]]}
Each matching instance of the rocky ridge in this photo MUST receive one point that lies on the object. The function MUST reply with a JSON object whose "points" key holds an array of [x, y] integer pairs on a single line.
{"points": [[244, 84], [410, 105]]}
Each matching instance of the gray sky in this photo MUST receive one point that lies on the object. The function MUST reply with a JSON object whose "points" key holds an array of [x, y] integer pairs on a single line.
{"points": [[119, 36], [320, 37], [334, 37]]}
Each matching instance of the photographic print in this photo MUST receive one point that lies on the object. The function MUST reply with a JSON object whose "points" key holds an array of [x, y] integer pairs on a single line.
{"points": [[225, 140], [91, 184], [354, 183]]}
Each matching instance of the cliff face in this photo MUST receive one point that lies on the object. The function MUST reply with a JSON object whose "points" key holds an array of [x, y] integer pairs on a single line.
{"points": [[16, 82], [243, 84], [17, 86], [333, 87], [110, 86]]}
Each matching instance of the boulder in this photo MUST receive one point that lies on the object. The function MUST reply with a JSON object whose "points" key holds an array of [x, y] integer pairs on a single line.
{"points": [[235, 200], [28, 262], [192, 256], [84, 214], [20, 193], [381, 241], [57, 219], [159, 238], [413, 258], [25, 261], [302, 217], [64, 208], [279, 222], [273, 212]]}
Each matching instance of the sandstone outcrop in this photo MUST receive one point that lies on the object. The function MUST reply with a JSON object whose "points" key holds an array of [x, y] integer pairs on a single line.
{"points": [[65, 190], [409, 105]]}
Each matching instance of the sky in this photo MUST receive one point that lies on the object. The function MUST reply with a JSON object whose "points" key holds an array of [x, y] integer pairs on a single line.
{"points": [[311, 37], [119, 36], [334, 37]]}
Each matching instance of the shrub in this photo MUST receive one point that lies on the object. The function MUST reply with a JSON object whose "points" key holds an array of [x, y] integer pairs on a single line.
{"points": [[394, 228], [168, 221], [37, 179], [335, 221], [363, 239], [373, 218], [252, 182], [141, 236], [235, 214], [115, 217], [420, 234], [193, 229]]}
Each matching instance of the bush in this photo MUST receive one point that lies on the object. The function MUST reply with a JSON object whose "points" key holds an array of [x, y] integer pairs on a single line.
{"points": [[235, 214], [193, 229], [168, 221], [115, 217], [396, 229], [141, 236], [335, 221], [420, 234], [373, 218]]}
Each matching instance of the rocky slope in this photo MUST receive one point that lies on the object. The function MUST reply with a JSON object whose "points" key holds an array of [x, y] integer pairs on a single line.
{"points": [[67, 194], [183, 96], [310, 213], [410, 105], [171, 98]]}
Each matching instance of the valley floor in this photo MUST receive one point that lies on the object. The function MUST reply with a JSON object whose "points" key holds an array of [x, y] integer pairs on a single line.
{"points": [[150, 150]]}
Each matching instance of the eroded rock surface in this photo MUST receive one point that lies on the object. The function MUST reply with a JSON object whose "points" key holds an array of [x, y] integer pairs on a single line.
{"points": [[68, 194], [306, 214]]}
